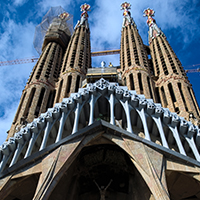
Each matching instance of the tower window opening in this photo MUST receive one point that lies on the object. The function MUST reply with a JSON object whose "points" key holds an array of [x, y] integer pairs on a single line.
{"points": [[132, 86], [171, 92], [69, 80], [67, 54], [43, 60], [164, 97], [76, 40], [162, 59], [177, 110], [126, 39], [149, 85], [140, 83], [165, 69], [58, 66], [59, 91], [38, 107], [183, 98], [82, 42], [51, 98], [29, 102], [157, 95], [77, 83], [193, 100]]}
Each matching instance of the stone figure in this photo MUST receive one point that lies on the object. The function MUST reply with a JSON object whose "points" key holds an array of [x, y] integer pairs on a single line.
{"points": [[103, 64], [102, 190]]}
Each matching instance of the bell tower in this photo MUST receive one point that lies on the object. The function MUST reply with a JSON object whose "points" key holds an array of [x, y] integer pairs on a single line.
{"points": [[40, 89], [77, 58], [172, 85], [133, 57]]}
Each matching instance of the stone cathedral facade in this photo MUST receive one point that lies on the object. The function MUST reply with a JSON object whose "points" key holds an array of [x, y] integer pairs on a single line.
{"points": [[109, 133]]}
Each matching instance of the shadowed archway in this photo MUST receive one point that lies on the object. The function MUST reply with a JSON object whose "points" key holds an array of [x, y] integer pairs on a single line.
{"points": [[96, 167]]}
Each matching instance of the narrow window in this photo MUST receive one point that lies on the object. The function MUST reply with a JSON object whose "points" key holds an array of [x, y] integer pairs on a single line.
{"points": [[37, 110], [158, 95], [59, 91], [148, 81], [77, 83], [29, 102], [140, 83], [51, 98], [171, 92], [192, 97], [68, 84], [181, 92], [131, 82], [164, 97]]}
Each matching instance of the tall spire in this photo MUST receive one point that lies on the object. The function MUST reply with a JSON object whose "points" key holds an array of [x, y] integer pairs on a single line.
{"points": [[77, 58], [39, 91], [133, 57], [154, 31], [127, 14], [173, 89]]}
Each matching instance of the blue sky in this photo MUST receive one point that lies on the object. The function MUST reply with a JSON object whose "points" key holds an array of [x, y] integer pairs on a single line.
{"points": [[179, 20]]}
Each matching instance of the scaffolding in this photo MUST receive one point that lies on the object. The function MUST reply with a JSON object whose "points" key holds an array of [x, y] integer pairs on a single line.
{"points": [[51, 16]]}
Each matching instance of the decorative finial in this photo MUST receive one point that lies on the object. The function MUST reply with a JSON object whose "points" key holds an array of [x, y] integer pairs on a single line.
{"points": [[149, 13], [85, 7], [154, 31], [84, 16], [64, 16], [125, 6], [127, 14]]}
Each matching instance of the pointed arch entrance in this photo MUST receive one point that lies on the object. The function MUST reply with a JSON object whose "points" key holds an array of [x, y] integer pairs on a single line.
{"points": [[96, 167]]}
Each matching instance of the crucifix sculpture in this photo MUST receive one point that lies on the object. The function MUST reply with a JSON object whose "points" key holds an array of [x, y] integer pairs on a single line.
{"points": [[102, 190]]}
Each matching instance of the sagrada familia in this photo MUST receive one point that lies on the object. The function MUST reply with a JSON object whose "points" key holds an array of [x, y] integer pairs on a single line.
{"points": [[109, 133]]}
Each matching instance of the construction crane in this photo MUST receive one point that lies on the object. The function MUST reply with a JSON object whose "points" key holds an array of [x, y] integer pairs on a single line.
{"points": [[192, 70], [18, 61], [93, 54]]}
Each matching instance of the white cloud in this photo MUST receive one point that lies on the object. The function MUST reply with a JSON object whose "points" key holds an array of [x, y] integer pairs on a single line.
{"points": [[12, 84], [16, 40], [15, 43], [6, 121], [106, 22], [19, 2]]}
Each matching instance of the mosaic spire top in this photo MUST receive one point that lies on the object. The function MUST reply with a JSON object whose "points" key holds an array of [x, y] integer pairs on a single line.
{"points": [[64, 16], [84, 16], [154, 31], [127, 14]]}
